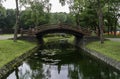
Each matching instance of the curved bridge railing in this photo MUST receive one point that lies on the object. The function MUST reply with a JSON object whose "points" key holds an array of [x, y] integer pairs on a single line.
{"points": [[82, 30]]}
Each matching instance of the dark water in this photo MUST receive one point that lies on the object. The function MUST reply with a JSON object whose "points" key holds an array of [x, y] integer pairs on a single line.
{"points": [[58, 62]]}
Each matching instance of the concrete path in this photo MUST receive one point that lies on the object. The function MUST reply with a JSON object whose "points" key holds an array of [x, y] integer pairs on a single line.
{"points": [[4, 37], [114, 39]]}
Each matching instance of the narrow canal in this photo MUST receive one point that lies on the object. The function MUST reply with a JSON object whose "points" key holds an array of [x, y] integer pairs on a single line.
{"points": [[62, 61]]}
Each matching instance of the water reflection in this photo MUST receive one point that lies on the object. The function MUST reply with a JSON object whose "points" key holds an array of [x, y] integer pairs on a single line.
{"points": [[68, 63]]}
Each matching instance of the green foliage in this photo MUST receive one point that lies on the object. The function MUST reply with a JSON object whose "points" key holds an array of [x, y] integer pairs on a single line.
{"points": [[109, 48], [83, 13], [34, 16], [57, 18], [63, 18], [2, 16], [9, 50], [89, 18], [70, 19], [26, 19], [10, 18], [7, 18], [56, 38], [86, 13]]}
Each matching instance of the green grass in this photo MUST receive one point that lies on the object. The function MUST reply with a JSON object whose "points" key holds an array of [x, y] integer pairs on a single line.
{"points": [[56, 38], [6, 34], [9, 50], [109, 48]]}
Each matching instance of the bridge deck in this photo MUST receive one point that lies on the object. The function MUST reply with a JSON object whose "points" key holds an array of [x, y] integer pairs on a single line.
{"points": [[42, 28], [63, 26]]}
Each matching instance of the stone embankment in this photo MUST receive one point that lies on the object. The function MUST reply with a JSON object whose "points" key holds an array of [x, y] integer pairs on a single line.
{"points": [[114, 63], [16, 62]]}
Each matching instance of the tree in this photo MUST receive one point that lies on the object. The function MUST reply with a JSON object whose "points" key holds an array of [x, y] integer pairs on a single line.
{"points": [[26, 19], [76, 7], [35, 15], [10, 18], [79, 7], [115, 7], [2, 17], [100, 16], [63, 18], [70, 19], [39, 10], [17, 22]]}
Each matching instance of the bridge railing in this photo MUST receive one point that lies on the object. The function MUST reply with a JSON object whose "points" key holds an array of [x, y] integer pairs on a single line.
{"points": [[33, 31], [65, 26], [28, 32]]}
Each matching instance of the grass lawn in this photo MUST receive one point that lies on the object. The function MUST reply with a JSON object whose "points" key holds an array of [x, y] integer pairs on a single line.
{"points": [[6, 34], [9, 50], [56, 38], [109, 48]]}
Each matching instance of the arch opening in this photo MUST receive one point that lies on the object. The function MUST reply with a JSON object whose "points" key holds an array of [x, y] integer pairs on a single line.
{"points": [[59, 36]]}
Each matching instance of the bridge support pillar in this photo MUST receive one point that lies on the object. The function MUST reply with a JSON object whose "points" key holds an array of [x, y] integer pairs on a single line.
{"points": [[78, 40], [40, 40]]}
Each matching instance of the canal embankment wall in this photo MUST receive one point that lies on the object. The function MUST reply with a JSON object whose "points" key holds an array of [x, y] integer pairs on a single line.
{"points": [[112, 62], [16, 62]]}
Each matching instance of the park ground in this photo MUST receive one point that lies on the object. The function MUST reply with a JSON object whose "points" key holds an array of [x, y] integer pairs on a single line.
{"points": [[9, 50], [110, 48]]}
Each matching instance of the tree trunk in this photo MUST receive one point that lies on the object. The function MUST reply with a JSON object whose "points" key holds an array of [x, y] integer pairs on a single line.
{"points": [[109, 18], [111, 29], [115, 30], [100, 16], [98, 31], [78, 20], [108, 30], [115, 27], [17, 22]]}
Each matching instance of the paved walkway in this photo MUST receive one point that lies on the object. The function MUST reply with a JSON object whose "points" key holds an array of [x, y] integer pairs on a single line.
{"points": [[4, 37], [114, 39]]}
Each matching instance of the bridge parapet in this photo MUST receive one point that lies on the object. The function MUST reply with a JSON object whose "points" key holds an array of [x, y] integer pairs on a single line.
{"points": [[42, 28], [82, 30]]}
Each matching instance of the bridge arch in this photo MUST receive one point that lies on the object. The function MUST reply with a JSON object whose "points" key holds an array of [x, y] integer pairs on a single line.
{"points": [[46, 29]]}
